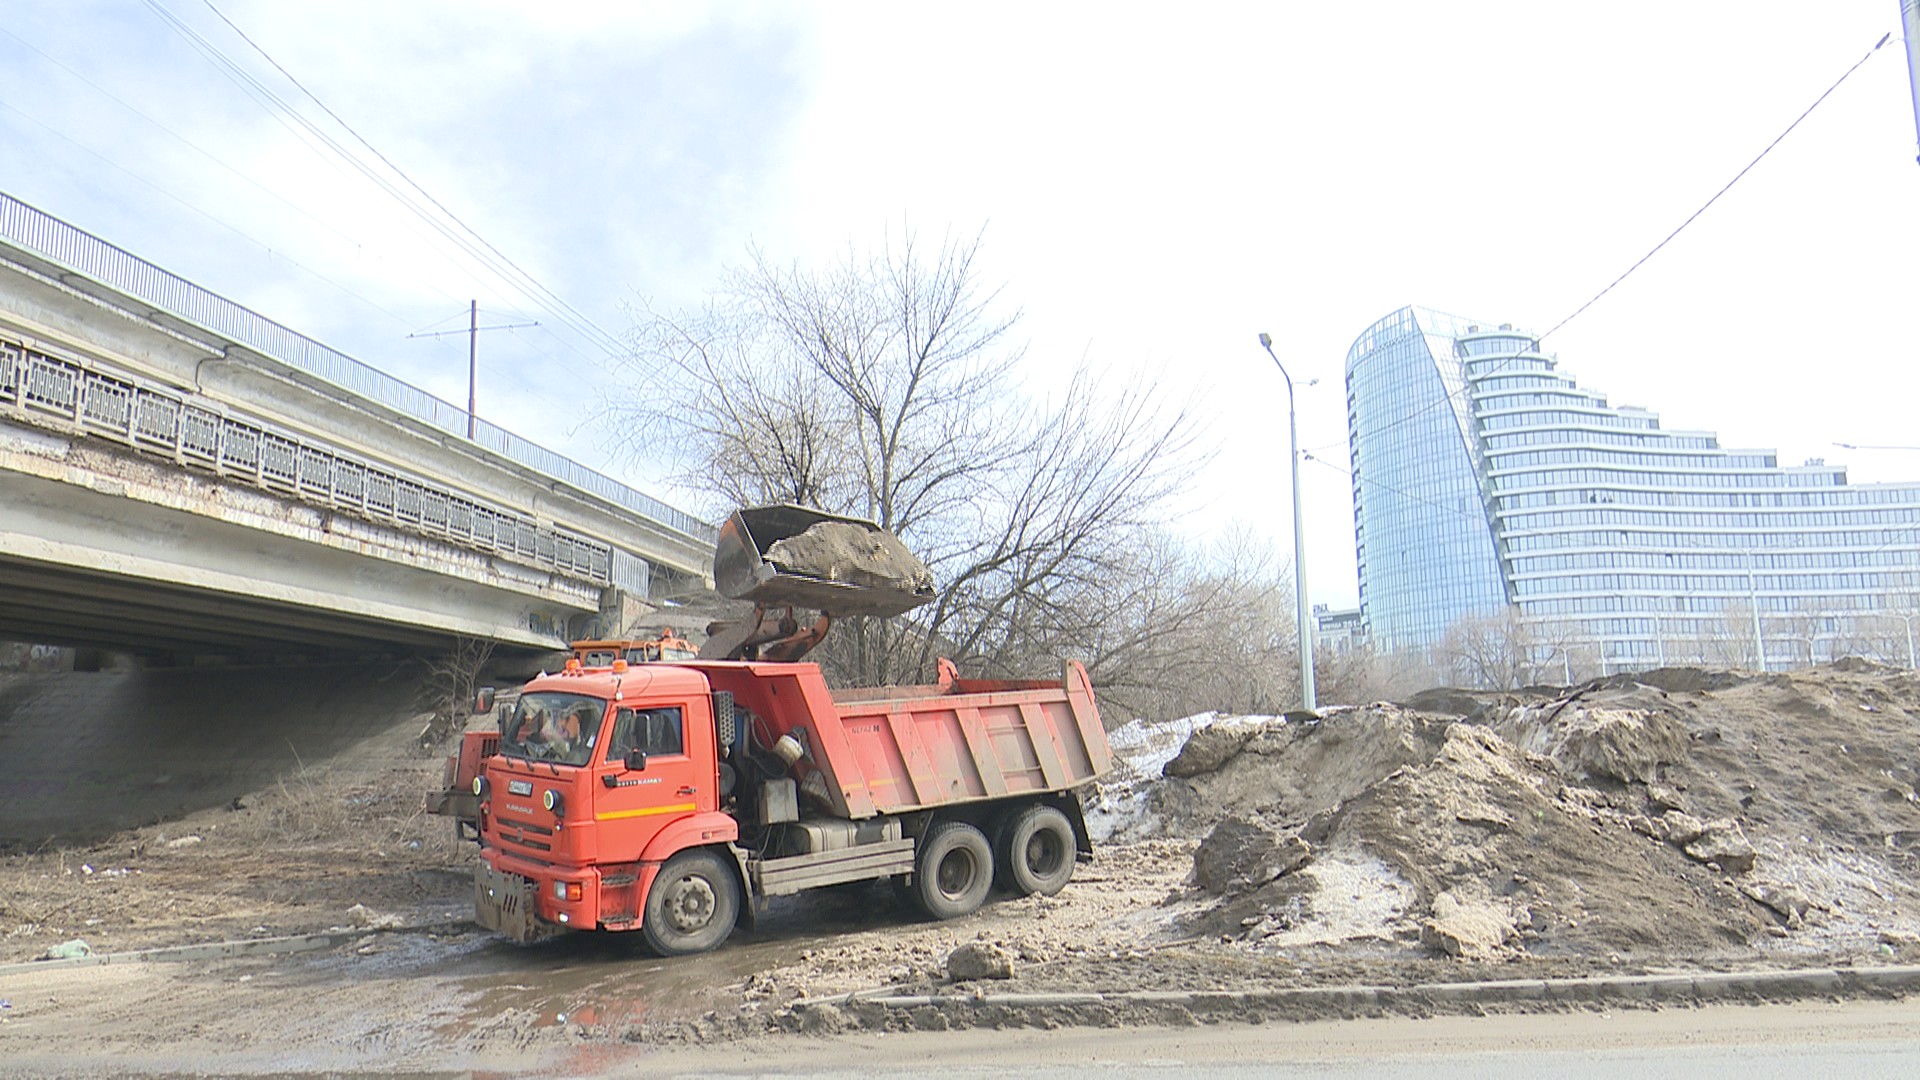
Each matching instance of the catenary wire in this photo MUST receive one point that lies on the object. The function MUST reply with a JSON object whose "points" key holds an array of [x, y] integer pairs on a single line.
{"points": [[1508, 360], [274, 105], [539, 290]]}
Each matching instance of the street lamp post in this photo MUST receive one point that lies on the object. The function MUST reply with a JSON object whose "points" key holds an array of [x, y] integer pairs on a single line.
{"points": [[1307, 703]]}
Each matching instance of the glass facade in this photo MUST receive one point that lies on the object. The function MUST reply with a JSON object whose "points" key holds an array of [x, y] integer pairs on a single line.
{"points": [[1484, 478]]}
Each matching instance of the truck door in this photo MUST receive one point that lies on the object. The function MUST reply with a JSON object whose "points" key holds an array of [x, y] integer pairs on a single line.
{"points": [[677, 780]]}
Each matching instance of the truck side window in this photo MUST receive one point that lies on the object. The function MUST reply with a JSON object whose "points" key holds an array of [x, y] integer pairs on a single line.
{"points": [[651, 731]]}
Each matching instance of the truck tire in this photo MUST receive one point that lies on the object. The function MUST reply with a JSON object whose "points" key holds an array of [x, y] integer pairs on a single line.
{"points": [[692, 904], [953, 870], [1039, 852]]}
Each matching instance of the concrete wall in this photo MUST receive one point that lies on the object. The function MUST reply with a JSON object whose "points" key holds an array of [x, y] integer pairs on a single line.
{"points": [[83, 755]]}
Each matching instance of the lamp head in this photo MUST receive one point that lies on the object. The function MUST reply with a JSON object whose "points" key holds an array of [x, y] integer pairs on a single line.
{"points": [[1266, 341]]}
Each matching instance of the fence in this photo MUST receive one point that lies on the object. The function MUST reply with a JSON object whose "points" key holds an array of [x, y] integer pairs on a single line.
{"points": [[95, 258], [158, 421]]}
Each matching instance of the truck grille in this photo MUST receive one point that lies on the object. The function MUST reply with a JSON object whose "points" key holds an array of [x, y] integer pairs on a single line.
{"points": [[524, 834]]}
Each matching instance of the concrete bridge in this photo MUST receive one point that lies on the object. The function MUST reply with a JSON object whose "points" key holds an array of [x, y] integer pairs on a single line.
{"points": [[185, 480]]}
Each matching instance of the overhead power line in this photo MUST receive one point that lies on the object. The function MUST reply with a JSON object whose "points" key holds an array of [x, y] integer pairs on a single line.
{"points": [[1505, 362], [540, 290], [430, 211]]}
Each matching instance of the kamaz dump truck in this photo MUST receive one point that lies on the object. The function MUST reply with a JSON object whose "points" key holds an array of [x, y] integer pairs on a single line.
{"points": [[676, 799]]}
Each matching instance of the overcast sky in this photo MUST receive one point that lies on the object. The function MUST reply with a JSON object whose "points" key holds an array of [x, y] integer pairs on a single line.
{"points": [[1158, 184]]}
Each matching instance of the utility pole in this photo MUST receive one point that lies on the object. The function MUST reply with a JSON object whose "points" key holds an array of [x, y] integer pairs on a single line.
{"points": [[473, 352], [473, 359], [1910, 24]]}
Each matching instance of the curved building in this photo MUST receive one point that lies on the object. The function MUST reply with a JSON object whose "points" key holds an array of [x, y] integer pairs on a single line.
{"points": [[1485, 482]]}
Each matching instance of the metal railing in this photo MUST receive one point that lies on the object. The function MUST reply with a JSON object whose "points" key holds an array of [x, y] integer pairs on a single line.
{"points": [[92, 257], [163, 423]]}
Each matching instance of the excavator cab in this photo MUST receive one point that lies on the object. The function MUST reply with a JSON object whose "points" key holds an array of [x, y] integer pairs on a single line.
{"points": [[785, 557]]}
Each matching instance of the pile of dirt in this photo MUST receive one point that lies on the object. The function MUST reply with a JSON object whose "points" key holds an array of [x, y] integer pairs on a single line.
{"points": [[1679, 816], [331, 846], [845, 552]]}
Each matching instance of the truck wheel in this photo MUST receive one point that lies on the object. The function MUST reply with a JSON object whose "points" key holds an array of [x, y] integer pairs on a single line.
{"points": [[1039, 855], [953, 870], [692, 905]]}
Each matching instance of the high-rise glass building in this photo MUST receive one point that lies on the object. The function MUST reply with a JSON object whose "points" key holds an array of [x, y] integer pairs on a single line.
{"points": [[1486, 482]]}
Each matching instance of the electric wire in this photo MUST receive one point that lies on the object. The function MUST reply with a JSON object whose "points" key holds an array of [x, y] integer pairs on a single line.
{"points": [[271, 252], [310, 133], [1450, 396], [303, 132], [538, 290]]}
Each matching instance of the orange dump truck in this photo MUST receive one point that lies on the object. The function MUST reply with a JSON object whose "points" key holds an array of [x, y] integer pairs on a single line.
{"points": [[676, 799]]}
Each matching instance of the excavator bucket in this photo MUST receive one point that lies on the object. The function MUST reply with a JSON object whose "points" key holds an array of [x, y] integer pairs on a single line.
{"points": [[792, 556]]}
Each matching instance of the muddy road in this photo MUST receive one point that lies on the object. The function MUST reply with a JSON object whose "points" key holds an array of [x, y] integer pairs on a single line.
{"points": [[1677, 821]]}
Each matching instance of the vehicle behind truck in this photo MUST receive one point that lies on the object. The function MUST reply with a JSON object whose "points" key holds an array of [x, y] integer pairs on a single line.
{"points": [[679, 798]]}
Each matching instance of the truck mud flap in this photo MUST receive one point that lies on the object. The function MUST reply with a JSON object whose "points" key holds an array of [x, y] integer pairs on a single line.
{"points": [[504, 903]]}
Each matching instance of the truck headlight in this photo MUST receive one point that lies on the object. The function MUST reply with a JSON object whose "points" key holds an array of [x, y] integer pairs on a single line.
{"points": [[554, 801], [480, 786]]}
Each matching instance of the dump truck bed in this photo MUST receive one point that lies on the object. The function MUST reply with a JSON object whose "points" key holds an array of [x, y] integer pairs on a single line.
{"points": [[904, 748]]}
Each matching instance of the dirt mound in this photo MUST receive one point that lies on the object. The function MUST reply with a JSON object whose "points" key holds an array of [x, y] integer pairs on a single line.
{"points": [[1285, 771], [1624, 745], [1679, 814], [843, 551]]}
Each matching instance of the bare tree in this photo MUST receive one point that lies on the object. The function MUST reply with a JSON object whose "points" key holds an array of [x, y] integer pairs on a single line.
{"points": [[451, 686], [881, 386], [1199, 631], [1506, 650]]}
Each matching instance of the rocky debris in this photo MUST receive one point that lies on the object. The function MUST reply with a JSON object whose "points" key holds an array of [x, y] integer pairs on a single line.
{"points": [[979, 960], [1470, 928], [1239, 855], [1722, 843], [1674, 827], [1786, 901], [1662, 798], [1209, 748]]}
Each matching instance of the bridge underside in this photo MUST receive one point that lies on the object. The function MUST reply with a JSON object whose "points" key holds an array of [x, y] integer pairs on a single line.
{"points": [[105, 563], [174, 624]]}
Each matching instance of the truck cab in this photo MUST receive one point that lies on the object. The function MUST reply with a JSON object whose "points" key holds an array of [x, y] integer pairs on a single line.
{"points": [[599, 777], [642, 789]]}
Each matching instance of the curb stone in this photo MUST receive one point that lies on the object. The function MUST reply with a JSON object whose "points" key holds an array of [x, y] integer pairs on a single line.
{"points": [[1808, 982]]}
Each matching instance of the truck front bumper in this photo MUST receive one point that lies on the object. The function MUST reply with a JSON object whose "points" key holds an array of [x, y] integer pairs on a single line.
{"points": [[506, 904]]}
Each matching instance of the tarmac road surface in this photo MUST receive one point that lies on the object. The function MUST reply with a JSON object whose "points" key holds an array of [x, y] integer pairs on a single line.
{"points": [[1852, 1039]]}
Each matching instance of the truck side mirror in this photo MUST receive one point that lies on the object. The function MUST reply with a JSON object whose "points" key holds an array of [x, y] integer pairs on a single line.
{"points": [[483, 701], [636, 761]]}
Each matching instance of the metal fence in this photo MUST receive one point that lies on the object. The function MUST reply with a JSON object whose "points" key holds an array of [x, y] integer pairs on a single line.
{"points": [[93, 257], [158, 421]]}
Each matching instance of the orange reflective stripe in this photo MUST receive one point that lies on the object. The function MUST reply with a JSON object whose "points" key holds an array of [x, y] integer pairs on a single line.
{"points": [[647, 811]]}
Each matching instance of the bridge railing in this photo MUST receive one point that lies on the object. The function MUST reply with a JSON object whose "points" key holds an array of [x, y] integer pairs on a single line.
{"points": [[159, 421], [89, 255]]}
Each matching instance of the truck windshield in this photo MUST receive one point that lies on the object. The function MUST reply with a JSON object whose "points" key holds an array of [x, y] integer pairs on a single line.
{"points": [[561, 728]]}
